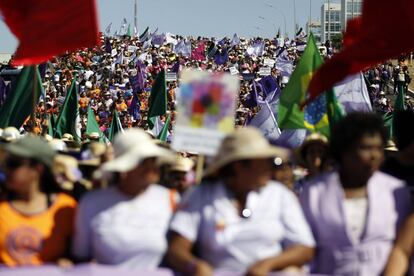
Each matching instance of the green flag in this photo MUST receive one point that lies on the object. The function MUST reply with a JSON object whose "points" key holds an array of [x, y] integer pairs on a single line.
{"points": [[129, 32], [19, 103], [158, 99], [334, 109], [68, 120], [164, 132], [400, 101], [93, 126], [314, 117], [51, 125], [388, 117], [115, 126]]}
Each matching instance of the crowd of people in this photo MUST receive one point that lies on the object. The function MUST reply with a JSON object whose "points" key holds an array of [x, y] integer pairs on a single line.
{"points": [[337, 206]]}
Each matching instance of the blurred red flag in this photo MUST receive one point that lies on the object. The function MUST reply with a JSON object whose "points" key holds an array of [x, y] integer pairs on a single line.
{"points": [[46, 28], [368, 40]]}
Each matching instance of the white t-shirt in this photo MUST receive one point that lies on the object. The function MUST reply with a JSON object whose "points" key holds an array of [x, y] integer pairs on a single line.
{"points": [[207, 217], [355, 210], [119, 230]]}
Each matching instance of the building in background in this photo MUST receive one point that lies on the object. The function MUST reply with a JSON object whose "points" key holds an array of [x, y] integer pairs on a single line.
{"points": [[331, 20], [350, 9], [315, 28]]}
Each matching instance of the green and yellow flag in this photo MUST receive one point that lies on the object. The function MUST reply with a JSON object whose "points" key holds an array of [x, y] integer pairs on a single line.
{"points": [[317, 115]]}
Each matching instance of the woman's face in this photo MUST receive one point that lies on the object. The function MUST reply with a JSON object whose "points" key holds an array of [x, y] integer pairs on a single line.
{"points": [[252, 174], [364, 158], [315, 153], [21, 174]]}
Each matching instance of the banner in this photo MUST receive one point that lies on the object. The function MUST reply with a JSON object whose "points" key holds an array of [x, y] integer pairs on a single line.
{"points": [[205, 111]]}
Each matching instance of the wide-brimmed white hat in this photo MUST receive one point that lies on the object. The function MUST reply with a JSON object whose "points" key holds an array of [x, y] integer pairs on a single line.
{"points": [[242, 144], [133, 146]]}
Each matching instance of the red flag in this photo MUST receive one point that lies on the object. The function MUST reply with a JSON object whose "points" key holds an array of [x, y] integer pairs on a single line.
{"points": [[199, 52], [368, 41], [47, 28]]}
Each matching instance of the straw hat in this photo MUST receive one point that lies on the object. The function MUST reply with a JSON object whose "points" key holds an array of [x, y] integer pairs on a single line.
{"points": [[182, 164], [244, 143], [131, 148], [391, 146], [314, 138], [10, 134]]}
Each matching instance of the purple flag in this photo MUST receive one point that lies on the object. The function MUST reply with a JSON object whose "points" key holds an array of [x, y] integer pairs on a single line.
{"points": [[221, 57], [108, 47], [268, 84], [176, 67]]}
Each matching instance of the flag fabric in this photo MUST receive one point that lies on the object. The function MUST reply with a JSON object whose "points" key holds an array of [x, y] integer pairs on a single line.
{"points": [[368, 42], [334, 110], [108, 29], [158, 99], [3, 91], [265, 120], [199, 52], [116, 127], [183, 48], [51, 125], [93, 126], [170, 39], [353, 95], [314, 117], [47, 28], [145, 35], [268, 85], [69, 120], [134, 108], [158, 39], [19, 103], [164, 132], [400, 101], [235, 41], [176, 67], [123, 29], [108, 47], [256, 49], [221, 56], [211, 51], [129, 31]]}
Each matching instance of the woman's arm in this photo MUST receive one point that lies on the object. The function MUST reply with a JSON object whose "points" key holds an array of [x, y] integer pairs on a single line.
{"points": [[296, 255], [179, 257], [398, 262]]}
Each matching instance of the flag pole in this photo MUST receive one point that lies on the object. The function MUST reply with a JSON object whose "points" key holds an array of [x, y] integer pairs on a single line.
{"points": [[199, 168], [34, 92], [136, 16]]}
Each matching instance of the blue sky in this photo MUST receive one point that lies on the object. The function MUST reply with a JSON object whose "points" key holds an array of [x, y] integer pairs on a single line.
{"points": [[217, 18]]}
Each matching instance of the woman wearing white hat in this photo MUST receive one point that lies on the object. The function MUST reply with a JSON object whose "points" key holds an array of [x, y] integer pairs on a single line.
{"points": [[126, 224], [242, 222]]}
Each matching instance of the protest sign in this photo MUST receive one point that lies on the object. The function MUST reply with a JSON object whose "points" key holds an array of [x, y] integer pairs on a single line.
{"points": [[132, 48], [233, 71], [170, 76], [265, 71], [269, 62], [205, 111]]}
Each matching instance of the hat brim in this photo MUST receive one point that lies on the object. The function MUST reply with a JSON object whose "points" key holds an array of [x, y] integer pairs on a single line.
{"points": [[133, 158], [269, 152]]}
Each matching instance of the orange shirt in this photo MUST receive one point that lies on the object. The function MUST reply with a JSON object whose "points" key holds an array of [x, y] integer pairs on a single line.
{"points": [[36, 239]]}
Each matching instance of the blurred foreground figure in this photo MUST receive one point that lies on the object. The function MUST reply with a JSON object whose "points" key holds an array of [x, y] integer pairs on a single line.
{"points": [[126, 223], [401, 164], [36, 220], [355, 211], [241, 221]]}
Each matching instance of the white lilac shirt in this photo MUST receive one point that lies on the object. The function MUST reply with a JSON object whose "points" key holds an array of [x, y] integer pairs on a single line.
{"points": [[208, 218], [119, 230]]}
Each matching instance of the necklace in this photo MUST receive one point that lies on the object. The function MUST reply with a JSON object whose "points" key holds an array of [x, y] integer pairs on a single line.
{"points": [[246, 213]]}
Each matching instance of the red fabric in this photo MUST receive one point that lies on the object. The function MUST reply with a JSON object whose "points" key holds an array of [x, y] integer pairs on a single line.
{"points": [[199, 52], [46, 28], [377, 37]]}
